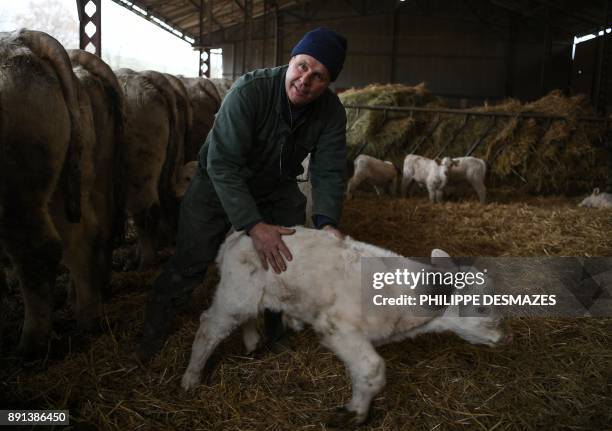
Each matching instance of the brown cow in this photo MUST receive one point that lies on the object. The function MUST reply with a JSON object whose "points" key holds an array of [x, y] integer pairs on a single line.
{"points": [[152, 140], [46, 177], [108, 196], [206, 101]]}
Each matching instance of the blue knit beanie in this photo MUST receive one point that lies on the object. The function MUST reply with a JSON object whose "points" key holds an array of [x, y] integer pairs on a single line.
{"points": [[325, 45]]}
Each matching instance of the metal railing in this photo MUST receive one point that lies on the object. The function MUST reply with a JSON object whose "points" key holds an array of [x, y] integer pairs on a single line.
{"points": [[549, 118]]}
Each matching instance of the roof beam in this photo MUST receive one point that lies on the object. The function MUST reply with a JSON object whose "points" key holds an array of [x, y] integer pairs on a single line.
{"points": [[145, 13]]}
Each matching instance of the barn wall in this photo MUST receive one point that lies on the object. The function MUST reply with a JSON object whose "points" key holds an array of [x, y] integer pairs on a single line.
{"points": [[458, 56]]}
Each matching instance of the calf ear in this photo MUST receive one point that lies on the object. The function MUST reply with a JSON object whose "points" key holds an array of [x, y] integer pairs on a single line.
{"points": [[441, 259], [596, 191], [436, 252], [455, 163], [437, 160]]}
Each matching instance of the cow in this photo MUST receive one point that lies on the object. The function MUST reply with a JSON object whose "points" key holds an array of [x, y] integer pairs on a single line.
{"points": [[47, 176], [153, 141], [205, 100], [109, 191]]}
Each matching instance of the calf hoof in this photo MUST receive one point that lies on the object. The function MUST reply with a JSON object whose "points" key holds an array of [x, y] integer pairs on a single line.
{"points": [[190, 380], [344, 418]]}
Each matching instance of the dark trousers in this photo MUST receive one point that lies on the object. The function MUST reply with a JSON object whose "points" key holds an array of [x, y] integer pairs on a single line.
{"points": [[203, 225]]}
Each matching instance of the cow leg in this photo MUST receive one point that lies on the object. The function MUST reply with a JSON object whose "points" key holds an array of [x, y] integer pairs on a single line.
{"points": [[367, 370], [147, 225], [34, 245], [88, 277], [378, 191], [216, 324]]}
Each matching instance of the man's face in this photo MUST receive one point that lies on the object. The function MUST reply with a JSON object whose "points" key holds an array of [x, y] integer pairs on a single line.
{"points": [[306, 79]]}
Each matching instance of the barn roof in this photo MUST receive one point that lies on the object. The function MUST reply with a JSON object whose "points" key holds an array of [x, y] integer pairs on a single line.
{"points": [[182, 17]]}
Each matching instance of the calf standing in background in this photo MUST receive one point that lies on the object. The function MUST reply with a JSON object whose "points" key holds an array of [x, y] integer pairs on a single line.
{"points": [[382, 175], [470, 169], [433, 174]]}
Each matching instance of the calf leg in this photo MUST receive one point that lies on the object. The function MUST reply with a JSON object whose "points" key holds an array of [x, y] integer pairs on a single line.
{"points": [[392, 188], [250, 336], [406, 182], [367, 371], [216, 324], [481, 190], [354, 182]]}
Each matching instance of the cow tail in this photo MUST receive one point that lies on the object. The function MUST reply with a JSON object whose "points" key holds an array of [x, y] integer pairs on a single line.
{"points": [[50, 50]]}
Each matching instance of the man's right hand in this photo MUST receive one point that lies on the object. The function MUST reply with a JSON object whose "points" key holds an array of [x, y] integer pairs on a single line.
{"points": [[268, 242]]}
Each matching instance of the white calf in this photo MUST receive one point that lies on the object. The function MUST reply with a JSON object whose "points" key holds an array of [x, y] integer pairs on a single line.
{"points": [[470, 169], [382, 175], [597, 200], [321, 287], [433, 174]]}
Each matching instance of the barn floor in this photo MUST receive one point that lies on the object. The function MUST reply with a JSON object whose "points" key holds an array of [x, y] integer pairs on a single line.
{"points": [[556, 374]]}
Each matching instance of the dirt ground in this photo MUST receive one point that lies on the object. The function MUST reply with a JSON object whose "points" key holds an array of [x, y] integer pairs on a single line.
{"points": [[556, 374]]}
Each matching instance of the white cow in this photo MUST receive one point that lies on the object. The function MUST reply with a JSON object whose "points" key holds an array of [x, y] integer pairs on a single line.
{"points": [[597, 200], [381, 175], [322, 287], [470, 169], [433, 174]]}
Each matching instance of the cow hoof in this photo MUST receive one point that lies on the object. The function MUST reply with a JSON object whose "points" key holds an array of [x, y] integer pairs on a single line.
{"points": [[344, 418]]}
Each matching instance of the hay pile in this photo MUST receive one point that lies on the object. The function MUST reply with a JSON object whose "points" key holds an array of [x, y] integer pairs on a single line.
{"points": [[537, 155], [385, 136], [554, 375]]}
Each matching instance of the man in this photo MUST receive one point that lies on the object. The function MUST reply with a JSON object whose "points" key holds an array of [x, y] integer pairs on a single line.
{"points": [[268, 123]]}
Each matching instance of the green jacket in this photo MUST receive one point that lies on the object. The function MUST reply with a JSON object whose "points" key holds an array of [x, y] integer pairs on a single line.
{"points": [[242, 153]]}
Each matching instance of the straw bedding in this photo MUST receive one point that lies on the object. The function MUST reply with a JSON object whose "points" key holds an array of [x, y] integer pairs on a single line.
{"points": [[554, 375]]}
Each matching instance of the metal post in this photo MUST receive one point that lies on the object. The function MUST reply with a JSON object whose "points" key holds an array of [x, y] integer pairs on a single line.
{"points": [[546, 54], [394, 43], [244, 36], [278, 36], [602, 66], [511, 58], [91, 43], [264, 35]]}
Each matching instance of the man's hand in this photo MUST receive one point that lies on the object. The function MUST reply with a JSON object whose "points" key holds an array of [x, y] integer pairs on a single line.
{"points": [[333, 230], [269, 245]]}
